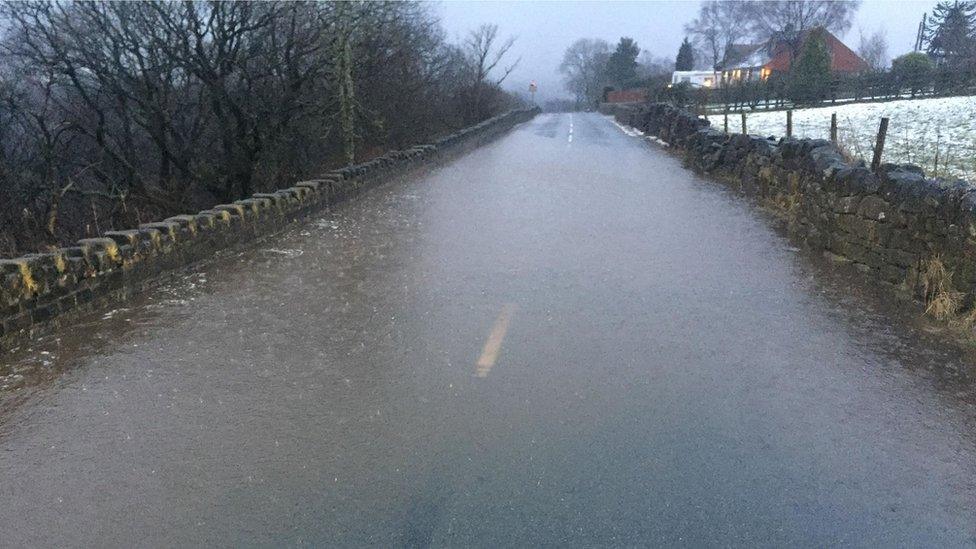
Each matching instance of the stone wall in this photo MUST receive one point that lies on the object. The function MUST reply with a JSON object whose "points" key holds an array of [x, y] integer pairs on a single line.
{"points": [[896, 225], [40, 291]]}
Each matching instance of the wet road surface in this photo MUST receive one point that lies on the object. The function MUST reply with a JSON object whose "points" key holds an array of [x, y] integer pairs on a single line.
{"points": [[562, 338]]}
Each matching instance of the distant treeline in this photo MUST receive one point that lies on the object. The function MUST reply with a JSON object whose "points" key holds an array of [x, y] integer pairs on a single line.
{"points": [[117, 113]]}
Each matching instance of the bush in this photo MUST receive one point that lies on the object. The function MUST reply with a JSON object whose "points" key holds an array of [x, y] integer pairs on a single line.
{"points": [[913, 70]]}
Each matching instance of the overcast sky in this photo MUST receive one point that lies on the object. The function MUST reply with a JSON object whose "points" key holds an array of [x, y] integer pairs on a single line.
{"points": [[545, 29]]}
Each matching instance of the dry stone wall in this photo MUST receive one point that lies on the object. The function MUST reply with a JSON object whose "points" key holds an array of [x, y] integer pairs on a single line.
{"points": [[40, 291], [896, 225]]}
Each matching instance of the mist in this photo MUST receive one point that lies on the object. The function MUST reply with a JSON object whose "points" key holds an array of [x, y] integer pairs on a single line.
{"points": [[544, 30]]}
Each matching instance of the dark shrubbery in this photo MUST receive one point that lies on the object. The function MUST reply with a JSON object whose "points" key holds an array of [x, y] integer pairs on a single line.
{"points": [[113, 114]]}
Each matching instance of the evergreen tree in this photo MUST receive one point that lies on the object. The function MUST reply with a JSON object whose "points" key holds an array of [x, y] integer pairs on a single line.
{"points": [[810, 74], [622, 65], [686, 57], [950, 33]]}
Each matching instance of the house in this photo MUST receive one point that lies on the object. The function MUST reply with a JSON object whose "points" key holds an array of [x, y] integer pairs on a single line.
{"points": [[697, 79], [750, 62]]}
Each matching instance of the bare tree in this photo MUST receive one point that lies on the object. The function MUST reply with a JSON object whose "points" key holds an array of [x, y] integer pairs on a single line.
{"points": [[484, 53], [583, 66], [115, 113], [873, 49], [719, 25], [787, 21], [652, 66]]}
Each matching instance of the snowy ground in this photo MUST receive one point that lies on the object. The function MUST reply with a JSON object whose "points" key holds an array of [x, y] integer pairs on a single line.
{"points": [[918, 130]]}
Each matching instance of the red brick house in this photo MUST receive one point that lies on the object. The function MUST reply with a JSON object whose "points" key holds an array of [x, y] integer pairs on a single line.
{"points": [[745, 62]]}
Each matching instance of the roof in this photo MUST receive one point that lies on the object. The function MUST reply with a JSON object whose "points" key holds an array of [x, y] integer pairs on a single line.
{"points": [[779, 57], [744, 56]]}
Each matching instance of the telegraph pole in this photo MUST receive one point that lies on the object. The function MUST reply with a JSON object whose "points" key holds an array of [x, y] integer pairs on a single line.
{"points": [[921, 33]]}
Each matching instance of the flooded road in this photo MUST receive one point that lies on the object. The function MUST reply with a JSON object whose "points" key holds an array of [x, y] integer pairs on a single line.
{"points": [[562, 338]]}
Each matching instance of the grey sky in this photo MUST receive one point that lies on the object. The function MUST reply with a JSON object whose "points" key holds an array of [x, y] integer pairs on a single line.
{"points": [[546, 29]]}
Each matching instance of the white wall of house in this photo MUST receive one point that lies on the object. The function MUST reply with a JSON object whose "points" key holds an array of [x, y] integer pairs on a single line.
{"points": [[697, 79]]}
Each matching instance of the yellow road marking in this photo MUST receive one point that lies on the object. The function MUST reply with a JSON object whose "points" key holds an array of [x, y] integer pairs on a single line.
{"points": [[494, 344]]}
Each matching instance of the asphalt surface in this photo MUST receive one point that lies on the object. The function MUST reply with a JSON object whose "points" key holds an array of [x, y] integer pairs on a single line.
{"points": [[562, 338]]}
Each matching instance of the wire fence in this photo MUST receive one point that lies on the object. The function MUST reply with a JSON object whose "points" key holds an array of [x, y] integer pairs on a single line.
{"points": [[936, 134], [776, 92]]}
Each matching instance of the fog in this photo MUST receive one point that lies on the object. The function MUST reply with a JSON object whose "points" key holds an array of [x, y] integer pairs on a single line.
{"points": [[545, 29]]}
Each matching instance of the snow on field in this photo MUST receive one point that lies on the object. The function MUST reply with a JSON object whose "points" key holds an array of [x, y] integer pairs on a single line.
{"points": [[918, 130]]}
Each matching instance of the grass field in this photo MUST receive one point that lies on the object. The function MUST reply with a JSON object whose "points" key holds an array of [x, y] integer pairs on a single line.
{"points": [[920, 131]]}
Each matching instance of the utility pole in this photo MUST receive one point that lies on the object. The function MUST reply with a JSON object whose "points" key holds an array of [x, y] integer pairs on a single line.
{"points": [[921, 33]]}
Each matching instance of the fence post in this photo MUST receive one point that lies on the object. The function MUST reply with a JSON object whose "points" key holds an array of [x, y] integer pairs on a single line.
{"points": [[833, 128], [879, 144], [726, 121], [743, 113], [789, 123]]}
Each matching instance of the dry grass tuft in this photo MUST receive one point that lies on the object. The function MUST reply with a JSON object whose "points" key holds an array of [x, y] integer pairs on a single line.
{"points": [[27, 278], [112, 251], [941, 299]]}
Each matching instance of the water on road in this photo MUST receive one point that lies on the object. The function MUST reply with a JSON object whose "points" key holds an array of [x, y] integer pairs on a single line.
{"points": [[562, 338]]}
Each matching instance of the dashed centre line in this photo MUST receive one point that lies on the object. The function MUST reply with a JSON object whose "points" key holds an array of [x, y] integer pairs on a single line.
{"points": [[494, 344]]}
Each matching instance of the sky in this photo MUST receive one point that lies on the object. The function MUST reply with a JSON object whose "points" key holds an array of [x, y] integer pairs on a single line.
{"points": [[544, 29]]}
